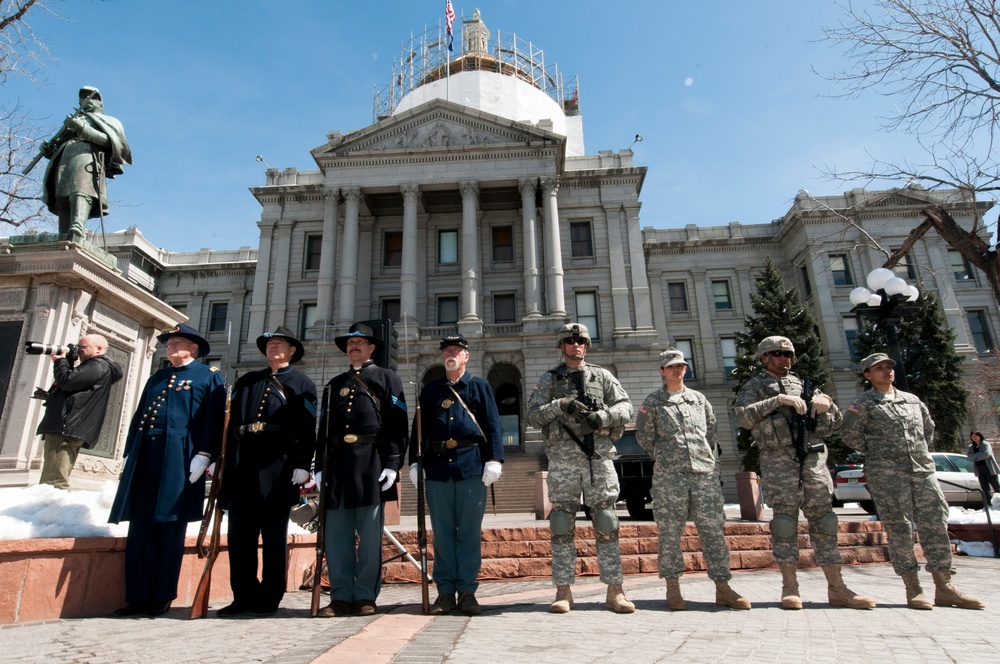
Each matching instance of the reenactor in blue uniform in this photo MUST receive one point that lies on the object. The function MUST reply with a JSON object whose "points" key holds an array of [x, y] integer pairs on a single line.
{"points": [[175, 433], [363, 431], [272, 435], [463, 453]]}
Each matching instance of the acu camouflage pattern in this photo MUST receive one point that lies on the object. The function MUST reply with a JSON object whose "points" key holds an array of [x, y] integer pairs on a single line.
{"points": [[569, 468], [679, 431], [895, 432], [757, 409]]}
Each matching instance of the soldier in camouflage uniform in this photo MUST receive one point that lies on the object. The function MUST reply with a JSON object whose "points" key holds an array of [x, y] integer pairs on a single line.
{"points": [[894, 429], [676, 425], [582, 410], [765, 406]]}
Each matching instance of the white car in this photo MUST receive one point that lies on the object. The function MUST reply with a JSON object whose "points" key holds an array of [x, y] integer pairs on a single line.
{"points": [[953, 472]]}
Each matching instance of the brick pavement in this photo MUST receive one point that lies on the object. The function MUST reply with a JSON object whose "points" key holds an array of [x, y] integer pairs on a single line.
{"points": [[516, 627]]}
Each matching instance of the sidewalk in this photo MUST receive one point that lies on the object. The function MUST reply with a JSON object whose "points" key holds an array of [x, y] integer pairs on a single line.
{"points": [[516, 627]]}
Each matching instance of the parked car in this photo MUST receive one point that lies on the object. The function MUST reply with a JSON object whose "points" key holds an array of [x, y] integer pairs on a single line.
{"points": [[837, 502], [953, 472]]}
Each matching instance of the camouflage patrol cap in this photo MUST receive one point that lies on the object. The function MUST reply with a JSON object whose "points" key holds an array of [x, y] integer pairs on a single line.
{"points": [[874, 359], [773, 343], [571, 331], [668, 358]]}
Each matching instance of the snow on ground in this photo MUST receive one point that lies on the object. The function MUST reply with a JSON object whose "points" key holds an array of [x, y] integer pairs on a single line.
{"points": [[43, 511]]}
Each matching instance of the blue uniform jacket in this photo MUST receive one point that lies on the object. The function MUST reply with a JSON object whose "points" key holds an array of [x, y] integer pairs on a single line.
{"points": [[353, 469], [186, 405], [259, 465], [442, 417]]}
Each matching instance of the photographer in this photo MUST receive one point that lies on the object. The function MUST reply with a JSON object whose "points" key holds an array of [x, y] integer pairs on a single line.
{"points": [[74, 410]]}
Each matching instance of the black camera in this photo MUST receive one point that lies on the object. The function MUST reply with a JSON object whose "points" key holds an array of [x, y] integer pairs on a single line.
{"points": [[71, 351]]}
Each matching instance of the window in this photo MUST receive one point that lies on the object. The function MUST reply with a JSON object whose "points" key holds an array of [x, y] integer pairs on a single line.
{"points": [[390, 309], [686, 346], [393, 252], [581, 243], [314, 247], [841, 270], [586, 313], [447, 246], [851, 334], [504, 309], [980, 330], [720, 292], [807, 289], [678, 296], [904, 268], [447, 310], [307, 318], [959, 266], [218, 313], [503, 244], [728, 345]]}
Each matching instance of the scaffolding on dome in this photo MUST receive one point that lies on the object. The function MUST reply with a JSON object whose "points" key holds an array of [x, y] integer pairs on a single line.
{"points": [[423, 59]]}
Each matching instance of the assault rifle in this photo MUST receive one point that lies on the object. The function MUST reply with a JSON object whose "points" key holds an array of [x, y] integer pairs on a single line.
{"points": [[803, 424]]}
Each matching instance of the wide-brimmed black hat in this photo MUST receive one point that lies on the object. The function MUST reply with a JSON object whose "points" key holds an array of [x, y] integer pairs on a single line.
{"points": [[454, 340], [286, 334], [189, 333], [358, 330]]}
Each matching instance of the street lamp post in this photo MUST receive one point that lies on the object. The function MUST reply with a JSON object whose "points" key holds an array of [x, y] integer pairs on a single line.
{"points": [[887, 300]]}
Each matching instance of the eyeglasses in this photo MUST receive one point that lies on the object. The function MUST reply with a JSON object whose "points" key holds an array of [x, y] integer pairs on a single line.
{"points": [[782, 353], [579, 341]]}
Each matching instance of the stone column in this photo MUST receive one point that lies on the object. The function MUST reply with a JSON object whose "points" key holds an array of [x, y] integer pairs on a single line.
{"points": [[637, 264], [258, 303], [619, 282], [349, 258], [281, 250], [327, 257], [554, 295], [529, 222], [470, 251], [408, 272]]}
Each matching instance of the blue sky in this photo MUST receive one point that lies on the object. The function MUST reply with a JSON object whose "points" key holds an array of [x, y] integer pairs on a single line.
{"points": [[733, 119]]}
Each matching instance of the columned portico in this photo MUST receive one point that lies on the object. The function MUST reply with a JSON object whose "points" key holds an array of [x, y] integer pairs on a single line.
{"points": [[529, 223], [470, 251], [349, 258], [408, 272], [554, 295], [327, 257]]}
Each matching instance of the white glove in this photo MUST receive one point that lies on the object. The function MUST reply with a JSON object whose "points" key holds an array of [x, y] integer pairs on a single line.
{"points": [[491, 472], [211, 471], [820, 404], [199, 463], [387, 478], [318, 478], [300, 476], [798, 403], [413, 474]]}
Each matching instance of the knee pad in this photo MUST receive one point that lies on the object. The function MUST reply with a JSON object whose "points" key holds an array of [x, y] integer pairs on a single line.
{"points": [[828, 524], [605, 521], [561, 523], [784, 528]]}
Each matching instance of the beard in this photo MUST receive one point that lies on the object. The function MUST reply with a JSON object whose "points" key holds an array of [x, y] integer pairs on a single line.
{"points": [[451, 364]]}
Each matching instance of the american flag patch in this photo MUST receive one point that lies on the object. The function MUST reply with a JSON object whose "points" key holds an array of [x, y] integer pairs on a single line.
{"points": [[854, 408], [642, 409]]}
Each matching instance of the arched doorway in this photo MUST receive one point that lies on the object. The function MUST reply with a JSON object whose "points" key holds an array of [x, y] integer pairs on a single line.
{"points": [[505, 380]]}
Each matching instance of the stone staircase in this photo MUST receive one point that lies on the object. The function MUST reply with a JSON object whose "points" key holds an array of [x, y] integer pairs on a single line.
{"points": [[515, 490], [521, 552]]}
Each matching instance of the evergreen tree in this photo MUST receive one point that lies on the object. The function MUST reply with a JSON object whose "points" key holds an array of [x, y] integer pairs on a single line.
{"points": [[780, 312], [933, 370]]}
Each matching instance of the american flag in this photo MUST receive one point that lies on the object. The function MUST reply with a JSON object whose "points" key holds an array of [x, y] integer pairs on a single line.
{"points": [[449, 18]]}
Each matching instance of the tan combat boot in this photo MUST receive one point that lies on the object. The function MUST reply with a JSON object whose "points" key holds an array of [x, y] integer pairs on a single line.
{"points": [[675, 602], [789, 587], [617, 601], [840, 595], [915, 597], [726, 596], [946, 594], [563, 601]]}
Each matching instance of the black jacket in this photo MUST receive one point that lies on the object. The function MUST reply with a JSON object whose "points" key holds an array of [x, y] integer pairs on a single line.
{"points": [[79, 398]]}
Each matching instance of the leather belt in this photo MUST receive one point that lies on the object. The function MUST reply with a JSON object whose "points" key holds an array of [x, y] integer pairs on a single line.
{"points": [[439, 446], [357, 439], [260, 427]]}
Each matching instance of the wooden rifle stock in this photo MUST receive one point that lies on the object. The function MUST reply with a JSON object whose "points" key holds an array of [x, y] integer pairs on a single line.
{"points": [[321, 511], [213, 513], [425, 600]]}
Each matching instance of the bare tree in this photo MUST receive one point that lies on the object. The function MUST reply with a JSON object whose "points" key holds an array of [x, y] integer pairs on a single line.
{"points": [[939, 63]]}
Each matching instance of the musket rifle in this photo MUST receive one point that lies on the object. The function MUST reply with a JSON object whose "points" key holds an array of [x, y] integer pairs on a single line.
{"points": [[321, 508], [425, 600], [54, 142]]}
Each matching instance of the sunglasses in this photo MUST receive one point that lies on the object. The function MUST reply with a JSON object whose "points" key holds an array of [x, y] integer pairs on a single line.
{"points": [[782, 353], [580, 341]]}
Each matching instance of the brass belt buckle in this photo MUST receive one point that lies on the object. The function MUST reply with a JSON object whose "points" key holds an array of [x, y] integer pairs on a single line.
{"points": [[451, 443], [256, 427], [350, 438]]}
